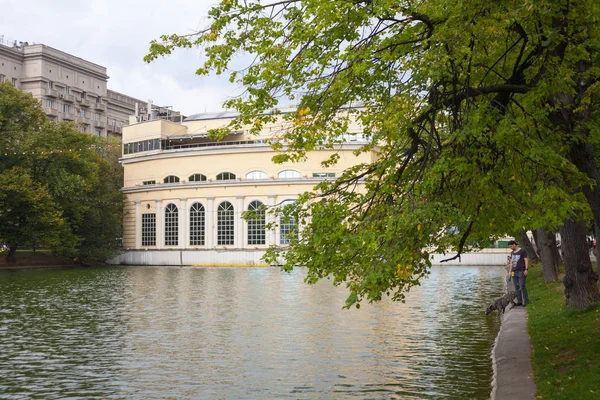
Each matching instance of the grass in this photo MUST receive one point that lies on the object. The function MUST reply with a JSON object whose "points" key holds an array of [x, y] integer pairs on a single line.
{"points": [[566, 343]]}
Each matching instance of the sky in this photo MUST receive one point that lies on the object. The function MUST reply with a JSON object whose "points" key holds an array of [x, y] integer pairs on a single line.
{"points": [[116, 34]]}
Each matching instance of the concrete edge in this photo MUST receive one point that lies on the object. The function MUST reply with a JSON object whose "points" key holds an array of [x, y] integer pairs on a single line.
{"points": [[511, 359]]}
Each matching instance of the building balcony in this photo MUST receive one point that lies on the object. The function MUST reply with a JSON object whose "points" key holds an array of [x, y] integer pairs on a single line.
{"points": [[69, 98], [100, 106], [83, 102], [114, 128], [67, 116], [83, 120], [100, 124], [51, 112], [51, 93]]}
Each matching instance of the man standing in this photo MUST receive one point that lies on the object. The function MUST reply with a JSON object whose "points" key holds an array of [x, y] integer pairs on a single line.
{"points": [[519, 265]]}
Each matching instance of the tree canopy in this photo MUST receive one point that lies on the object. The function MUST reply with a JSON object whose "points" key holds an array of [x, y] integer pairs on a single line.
{"points": [[60, 187], [484, 116]]}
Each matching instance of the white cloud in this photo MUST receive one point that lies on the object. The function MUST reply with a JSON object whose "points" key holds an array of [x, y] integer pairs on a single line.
{"points": [[208, 95], [116, 34]]}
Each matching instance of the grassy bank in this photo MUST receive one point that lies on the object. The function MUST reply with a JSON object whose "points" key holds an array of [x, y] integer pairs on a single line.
{"points": [[566, 343]]}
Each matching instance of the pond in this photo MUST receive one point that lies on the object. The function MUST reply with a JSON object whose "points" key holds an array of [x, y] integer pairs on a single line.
{"points": [[241, 333]]}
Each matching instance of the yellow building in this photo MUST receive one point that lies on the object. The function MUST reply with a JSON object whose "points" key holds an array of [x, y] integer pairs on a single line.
{"points": [[185, 193]]}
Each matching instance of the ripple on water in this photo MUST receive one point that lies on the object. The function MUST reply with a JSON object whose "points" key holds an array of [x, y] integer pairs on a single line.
{"points": [[154, 333]]}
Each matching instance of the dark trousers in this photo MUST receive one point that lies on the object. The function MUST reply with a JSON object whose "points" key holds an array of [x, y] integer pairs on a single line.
{"points": [[520, 287]]}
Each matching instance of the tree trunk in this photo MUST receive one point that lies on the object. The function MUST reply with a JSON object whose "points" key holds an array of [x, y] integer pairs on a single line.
{"points": [[596, 247], [557, 255], [526, 244], [534, 232], [11, 256], [580, 281], [583, 156], [548, 252]]}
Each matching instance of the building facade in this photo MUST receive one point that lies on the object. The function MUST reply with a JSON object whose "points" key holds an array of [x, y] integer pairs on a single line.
{"points": [[72, 89], [185, 193]]}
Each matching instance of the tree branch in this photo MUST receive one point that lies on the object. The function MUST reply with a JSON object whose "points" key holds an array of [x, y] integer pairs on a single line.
{"points": [[461, 245]]}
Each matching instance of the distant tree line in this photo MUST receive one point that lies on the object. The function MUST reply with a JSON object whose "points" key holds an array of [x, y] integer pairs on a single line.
{"points": [[59, 187]]}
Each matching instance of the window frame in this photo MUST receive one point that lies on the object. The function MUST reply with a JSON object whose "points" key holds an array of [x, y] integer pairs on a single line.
{"points": [[323, 175], [171, 179], [225, 224], [285, 228], [230, 176], [197, 229], [283, 174], [148, 229], [171, 227], [192, 177], [254, 175], [256, 227]]}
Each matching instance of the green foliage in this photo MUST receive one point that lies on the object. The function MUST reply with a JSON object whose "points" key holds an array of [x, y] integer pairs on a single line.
{"points": [[102, 227], [473, 109], [77, 174], [565, 363], [27, 210], [19, 115]]}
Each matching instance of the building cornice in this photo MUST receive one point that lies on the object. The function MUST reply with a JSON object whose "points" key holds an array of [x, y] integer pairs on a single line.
{"points": [[110, 93], [222, 184], [67, 63], [118, 103], [205, 151], [9, 52]]}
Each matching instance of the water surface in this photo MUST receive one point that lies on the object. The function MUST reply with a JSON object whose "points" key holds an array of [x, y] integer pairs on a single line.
{"points": [[241, 333]]}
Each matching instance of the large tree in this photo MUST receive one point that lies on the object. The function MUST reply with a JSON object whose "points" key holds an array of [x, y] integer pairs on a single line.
{"points": [[27, 212], [484, 115], [83, 176], [78, 205]]}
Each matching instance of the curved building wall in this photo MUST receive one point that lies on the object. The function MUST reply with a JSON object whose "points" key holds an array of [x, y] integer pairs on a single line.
{"points": [[240, 161], [172, 220]]}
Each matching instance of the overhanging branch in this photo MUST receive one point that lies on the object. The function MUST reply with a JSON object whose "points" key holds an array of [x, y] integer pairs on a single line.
{"points": [[461, 245]]}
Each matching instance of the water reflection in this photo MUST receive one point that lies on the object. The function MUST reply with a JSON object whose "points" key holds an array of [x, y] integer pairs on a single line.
{"points": [[155, 333]]}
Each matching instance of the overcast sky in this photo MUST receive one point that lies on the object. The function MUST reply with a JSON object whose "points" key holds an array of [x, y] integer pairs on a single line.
{"points": [[116, 35]]}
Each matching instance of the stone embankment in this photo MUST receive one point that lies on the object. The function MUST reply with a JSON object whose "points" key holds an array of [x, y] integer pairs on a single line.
{"points": [[38, 260], [513, 376]]}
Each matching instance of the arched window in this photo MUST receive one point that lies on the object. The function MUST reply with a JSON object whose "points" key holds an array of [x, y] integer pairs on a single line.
{"points": [[225, 176], [225, 224], [256, 226], [197, 224], [171, 179], [171, 225], [287, 224], [256, 175], [288, 174], [197, 178]]}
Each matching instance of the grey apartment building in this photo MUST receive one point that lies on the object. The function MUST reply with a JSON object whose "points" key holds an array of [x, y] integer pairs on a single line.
{"points": [[73, 89]]}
